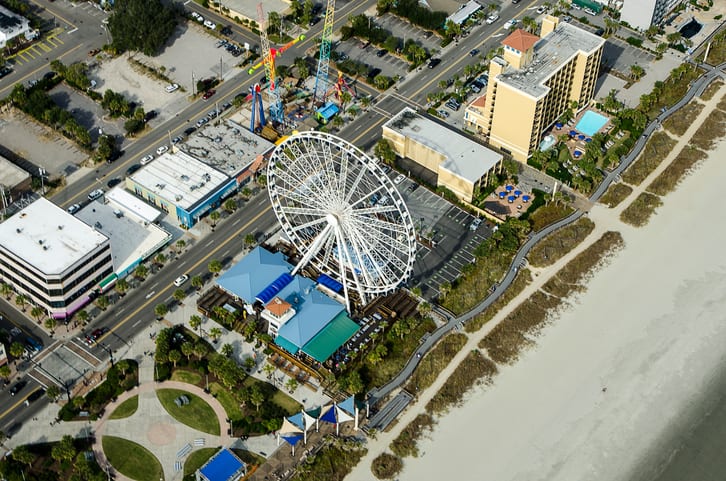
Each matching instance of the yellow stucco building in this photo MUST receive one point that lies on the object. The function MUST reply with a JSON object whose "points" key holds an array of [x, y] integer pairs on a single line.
{"points": [[460, 164], [533, 83]]}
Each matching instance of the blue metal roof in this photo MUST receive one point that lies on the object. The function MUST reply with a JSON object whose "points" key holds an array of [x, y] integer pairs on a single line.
{"points": [[255, 272], [275, 286], [330, 283], [224, 466]]}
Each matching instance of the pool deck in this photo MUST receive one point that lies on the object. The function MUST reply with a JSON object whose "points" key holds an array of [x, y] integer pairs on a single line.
{"points": [[575, 143]]}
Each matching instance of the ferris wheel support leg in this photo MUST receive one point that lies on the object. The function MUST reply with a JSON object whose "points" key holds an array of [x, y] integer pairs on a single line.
{"points": [[314, 248]]}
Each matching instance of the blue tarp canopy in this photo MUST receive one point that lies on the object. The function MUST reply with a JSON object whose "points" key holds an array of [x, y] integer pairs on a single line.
{"points": [[276, 286], [330, 283], [292, 439], [222, 467]]}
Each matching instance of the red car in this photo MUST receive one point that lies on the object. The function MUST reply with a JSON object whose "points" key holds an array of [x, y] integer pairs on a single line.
{"points": [[208, 94]]}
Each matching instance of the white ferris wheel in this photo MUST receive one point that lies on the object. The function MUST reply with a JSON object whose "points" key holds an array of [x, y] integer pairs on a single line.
{"points": [[342, 213]]}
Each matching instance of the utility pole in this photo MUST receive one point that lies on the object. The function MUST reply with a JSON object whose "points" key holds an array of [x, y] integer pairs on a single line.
{"points": [[193, 84], [220, 69]]}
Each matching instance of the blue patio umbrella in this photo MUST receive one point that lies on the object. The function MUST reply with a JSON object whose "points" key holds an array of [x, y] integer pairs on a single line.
{"points": [[577, 153], [509, 188], [502, 195], [558, 125], [573, 133], [525, 198], [581, 137], [588, 140], [517, 193], [511, 198]]}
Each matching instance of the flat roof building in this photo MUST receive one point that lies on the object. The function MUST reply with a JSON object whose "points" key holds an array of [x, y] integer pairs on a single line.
{"points": [[464, 12], [223, 466], [461, 164], [15, 180], [13, 25], [182, 186], [52, 257], [641, 14], [534, 83]]}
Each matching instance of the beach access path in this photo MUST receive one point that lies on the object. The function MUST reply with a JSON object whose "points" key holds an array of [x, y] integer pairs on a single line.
{"points": [[605, 219]]}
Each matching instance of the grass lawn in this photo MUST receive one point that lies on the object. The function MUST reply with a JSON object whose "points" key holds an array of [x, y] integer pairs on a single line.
{"points": [[126, 408], [197, 414], [196, 460], [189, 377], [279, 398], [231, 407], [131, 459]]}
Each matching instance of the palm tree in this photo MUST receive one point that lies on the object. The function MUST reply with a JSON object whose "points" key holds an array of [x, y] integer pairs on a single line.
{"points": [[53, 392], [122, 286], [250, 240], [424, 309], [257, 397], [291, 385], [160, 259], [365, 102], [16, 350], [227, 350], [102, 302], [195, 322], [161, 310], [215, 333], [215, 267], [21, 300], [179, 295], [50, 324], [444, 288], [529, 24], [200, 349], [6, 290], [187, 348], [230, 205], [180, 244], [636, 71], [174, 356], [141, 272], [37, 312], [5, 372], [123, 365], [214, 217], [269, 370], [197, 282], [82, 316]]}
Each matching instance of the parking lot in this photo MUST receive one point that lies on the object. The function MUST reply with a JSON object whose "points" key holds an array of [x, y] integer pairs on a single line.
{"points": [[86, 112], [389, 65], [405, 30], [448, 243]]}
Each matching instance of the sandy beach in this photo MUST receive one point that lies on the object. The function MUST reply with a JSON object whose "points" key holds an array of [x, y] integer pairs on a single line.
{"points": [[621, 384]]}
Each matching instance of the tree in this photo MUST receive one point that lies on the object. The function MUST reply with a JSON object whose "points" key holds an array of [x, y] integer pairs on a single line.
{"points": [[452, 28], [274, 21], [141, 271], [307, 12], [22, 455], [444, 288], [5, 372], [636, 71], [195, 322], [214, 217], [52, 392], [291, 385], [257, 397], [227, 350], [16, 350], [50, 324], [197, 282], [384, 151], [82, 316], [123, 365], [269, 370], [180, 244], [37, 312], [215, 267], [424, 309], [161, 310], [141, 25], [201, 349], [122, 287], [187, 348], [215, 333], [102, 302], [160, 258], [354, 383], [179, 295], [174, 356], [21, 300], [64, 450], [6, 290], [250, 240], [529, 24], [365, 101], [230, 205]]}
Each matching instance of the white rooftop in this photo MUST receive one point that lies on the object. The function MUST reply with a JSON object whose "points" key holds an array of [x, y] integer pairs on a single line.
{"points": [[463, 157], [48, 238], [10, 174], [464, 12], [180, 178], [132, 205], [131, 240]]}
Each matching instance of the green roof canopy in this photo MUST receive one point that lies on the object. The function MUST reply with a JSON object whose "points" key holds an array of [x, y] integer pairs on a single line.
{"points": [[591, 4], [331, 337]]}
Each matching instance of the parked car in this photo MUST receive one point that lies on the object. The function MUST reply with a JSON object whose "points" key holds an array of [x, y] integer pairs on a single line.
{"points": [[95, 194], [179, 281], [475, 224], [208, 94], [201, 122], [210, 24], [134, 168], [492, 18], [226, 30], [510, 24], [176, 139], [113, 182], [434, 62], [172, 88], [150, 115], [443, 113], [381, 52], [146, 159], [74, 208], [542, 9], [17, 387], [189, 131], [162, 149], [5, 71], [34, 396], [400, 178]]}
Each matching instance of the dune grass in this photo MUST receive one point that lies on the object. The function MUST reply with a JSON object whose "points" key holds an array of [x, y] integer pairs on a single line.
{"points": [[405, 443], [656, 149], [615, 194], [638, 213], [435, 361], [473, 370], [522, 280], [678, 124], [550, 249], [672, 175]]}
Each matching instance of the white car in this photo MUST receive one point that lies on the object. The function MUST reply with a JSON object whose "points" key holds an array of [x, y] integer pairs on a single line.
{"points": [[492, 18], [541, 10], [74, 208], [172, 88], [96, 194], [162, 149], [181, 280], [146, 159], [210, 24], [510, 24], [399, 179]]}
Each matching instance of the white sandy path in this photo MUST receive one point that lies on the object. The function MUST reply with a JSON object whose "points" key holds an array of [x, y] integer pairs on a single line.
{"points": [[542, 417]]}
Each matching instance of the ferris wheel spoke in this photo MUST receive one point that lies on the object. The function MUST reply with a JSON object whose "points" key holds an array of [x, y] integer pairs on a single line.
{"points": [[368, 196], [308, 225], [304, 211], [371, 222], [363, 252], [376, 209]]}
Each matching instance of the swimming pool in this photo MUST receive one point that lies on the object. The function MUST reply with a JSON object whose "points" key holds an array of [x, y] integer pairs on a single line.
{"points": [[591, 123]]}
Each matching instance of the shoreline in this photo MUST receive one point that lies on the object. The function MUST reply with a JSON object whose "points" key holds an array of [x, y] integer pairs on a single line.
{"points": [[586, 405]]}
